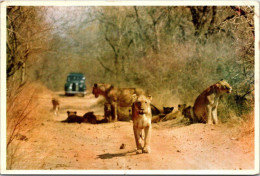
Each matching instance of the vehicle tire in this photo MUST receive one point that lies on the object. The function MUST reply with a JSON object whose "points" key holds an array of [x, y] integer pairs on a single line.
{"points": [[82, 95]]}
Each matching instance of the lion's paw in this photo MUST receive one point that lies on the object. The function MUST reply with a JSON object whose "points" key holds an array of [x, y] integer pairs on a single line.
{"points": [[146, 150], [210, 122], [139, 151]]}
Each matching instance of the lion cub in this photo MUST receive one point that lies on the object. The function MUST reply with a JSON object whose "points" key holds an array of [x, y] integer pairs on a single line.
{"points": [[167, 110], [56, 105], [88, 117], [73, 117], [142, 121], [174, 115], [159, 117], [188, 113]]}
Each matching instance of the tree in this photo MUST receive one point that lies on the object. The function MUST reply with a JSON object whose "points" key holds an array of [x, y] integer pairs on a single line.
{"points": [[116, 30], [26, 36]]}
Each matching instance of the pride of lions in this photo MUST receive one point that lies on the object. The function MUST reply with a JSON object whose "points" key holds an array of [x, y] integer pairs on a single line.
{"points": [[143, 113]]}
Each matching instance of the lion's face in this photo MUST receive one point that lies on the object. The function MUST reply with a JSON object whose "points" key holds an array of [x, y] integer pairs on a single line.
{"points": [[223, 87], [70, 113], [100, 89], [181, 107], [96, 90], [142, 104], [187, 111]]}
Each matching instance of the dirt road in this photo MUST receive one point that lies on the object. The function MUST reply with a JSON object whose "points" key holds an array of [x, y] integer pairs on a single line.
{"points": [[57, 146]]}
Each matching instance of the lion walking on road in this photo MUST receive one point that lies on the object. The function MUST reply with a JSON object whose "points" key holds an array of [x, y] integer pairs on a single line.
{"points": [[142, 122], [56, 105]]}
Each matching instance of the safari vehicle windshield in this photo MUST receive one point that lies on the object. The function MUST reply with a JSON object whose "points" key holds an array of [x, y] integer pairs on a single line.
{"points": [[75, 78]]}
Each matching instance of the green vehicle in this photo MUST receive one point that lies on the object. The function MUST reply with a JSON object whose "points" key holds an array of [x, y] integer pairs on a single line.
{"points": [[75, 84]]}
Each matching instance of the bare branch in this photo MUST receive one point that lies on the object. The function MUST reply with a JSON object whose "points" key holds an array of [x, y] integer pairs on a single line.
{"points": [[106, 68]]}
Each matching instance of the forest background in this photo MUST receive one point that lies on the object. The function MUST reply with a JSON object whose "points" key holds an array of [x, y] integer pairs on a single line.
{"points": [[173, 52]]}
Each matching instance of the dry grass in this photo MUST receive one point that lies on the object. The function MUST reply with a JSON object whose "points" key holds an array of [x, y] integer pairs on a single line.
{"points": [[55, 145], [22, 110]]}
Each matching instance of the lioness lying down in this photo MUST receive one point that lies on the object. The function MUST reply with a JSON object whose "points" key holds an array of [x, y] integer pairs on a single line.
{"points": [[142, 117], [167, 110], [74, 118], [188, 113], [88, 117], [176, 114], [161, 115], [206, 104]]}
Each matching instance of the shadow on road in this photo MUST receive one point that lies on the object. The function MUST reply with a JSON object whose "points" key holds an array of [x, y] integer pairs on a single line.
{"points": [[62, 94], [112, 155], [176, 123]]}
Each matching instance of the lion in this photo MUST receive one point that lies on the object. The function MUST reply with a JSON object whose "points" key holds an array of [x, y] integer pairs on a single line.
{"points": [[74, 118], [188, 113], [90, 117], [108, 111], [124, 113], [121, 97], [206, 104], [155, 110], [176, 114], [56, 105], [142, 122], [159, 116], [167, 110]]}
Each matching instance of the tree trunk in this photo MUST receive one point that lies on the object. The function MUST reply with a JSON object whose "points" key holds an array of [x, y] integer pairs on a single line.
{"points": [[23, 71]]}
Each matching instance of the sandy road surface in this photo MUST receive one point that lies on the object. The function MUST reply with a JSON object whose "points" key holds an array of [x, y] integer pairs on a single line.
{"points": [[55, 145]]}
